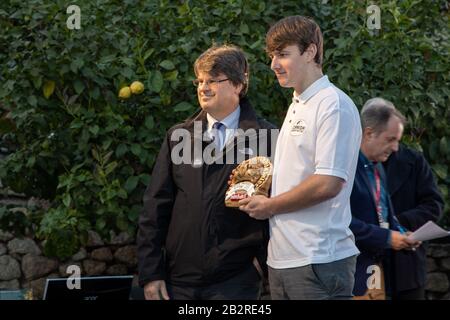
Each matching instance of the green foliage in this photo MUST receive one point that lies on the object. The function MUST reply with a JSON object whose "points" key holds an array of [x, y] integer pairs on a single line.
{"points": [[74, 142], [14, 220], [64, 230]]}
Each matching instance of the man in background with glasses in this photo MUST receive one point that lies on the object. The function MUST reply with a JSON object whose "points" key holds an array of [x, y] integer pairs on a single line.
{"points": [[190, 246]]}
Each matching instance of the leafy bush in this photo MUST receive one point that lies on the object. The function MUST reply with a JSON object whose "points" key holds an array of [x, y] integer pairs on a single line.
{"points": [[15, 220], [72, 141]]}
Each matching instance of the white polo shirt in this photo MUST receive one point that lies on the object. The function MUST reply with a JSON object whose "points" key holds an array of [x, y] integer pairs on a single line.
{"points": [[321, 134]]}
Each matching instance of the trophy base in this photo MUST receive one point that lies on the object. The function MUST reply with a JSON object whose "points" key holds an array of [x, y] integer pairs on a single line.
{"points": [[238, 192]]}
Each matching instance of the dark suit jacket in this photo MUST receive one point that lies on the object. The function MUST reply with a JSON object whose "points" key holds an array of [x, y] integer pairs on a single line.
{"points": [[416, 200], [370, 238]]}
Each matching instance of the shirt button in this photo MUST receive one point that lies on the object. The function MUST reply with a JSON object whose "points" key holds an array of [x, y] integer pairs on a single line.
{"points": [[294, 111], [290, 121]]}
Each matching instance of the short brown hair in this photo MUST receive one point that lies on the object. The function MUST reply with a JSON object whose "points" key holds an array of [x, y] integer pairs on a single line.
{"points": [[228, 60], [295, 30], [376, 113]]}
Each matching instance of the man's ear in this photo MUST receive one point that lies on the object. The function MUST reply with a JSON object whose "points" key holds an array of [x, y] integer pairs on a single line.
{"points": [[239, 88], [368, 132], [311, 52]]}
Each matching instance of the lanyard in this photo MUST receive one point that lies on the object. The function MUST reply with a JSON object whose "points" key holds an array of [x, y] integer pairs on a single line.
{"points": [[378, 195]]}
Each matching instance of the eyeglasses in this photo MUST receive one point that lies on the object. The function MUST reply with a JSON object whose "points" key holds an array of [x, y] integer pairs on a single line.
{"points": [[199, 83]]}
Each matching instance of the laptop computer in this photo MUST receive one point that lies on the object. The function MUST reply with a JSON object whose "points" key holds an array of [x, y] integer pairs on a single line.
{"points": [[90, 288]]}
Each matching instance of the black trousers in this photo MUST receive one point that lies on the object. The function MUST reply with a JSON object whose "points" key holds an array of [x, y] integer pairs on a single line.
{"points": [[413, 294], [245, 286]]}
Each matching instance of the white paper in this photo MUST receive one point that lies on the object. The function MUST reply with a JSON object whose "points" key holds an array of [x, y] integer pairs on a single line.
{"points": [[428, 231]]}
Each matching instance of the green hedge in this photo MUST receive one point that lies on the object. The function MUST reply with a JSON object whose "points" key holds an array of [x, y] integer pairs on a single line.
{"points": [[91, 154]]}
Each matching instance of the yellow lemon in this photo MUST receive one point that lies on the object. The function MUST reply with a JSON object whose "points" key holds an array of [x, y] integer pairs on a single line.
{"points": [[125, 93], [137, 87]]}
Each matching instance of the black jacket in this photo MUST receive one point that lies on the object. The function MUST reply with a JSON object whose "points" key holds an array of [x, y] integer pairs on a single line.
{"points": [[186, 234], [416, 200]]}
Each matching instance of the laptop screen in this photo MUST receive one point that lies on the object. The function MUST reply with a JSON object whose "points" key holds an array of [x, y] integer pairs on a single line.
{"points": [[89, 288]]}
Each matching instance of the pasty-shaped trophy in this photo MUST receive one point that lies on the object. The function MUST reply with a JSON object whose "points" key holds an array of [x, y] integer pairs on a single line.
{"points": [[251, 177]]}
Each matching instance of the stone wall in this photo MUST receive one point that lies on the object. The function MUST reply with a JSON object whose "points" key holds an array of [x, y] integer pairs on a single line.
{"points": [[23, 266], [438, 266]]}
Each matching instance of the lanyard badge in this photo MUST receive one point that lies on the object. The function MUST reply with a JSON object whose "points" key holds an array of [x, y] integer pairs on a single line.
{"points": [[383, 224]]}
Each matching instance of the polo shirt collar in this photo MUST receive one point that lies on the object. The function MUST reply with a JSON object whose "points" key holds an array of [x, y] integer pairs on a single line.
{"points": [[314, 88]]}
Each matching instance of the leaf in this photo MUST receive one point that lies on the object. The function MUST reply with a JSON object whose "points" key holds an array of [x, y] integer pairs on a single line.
{"points": [[136, 149], [182, 106], [94, 129], [76, 124], [72, 99], [127, 73], [100, 224], [133, 213], [37, 82], [157, 81], [145, 178], [107, 156], [78, 86], [443, 145], [167, 64], [9, 85], [111, 167], [149, 122], [127, 61], [76, 65], [148, 53], [244, 28], [95, 155], [32, 101], [262, 6], [95, 93], [106, 143], [440, 170], [121, 150], [31, 161], [67, 199], [255, 44], [88, 73], [122, 194], [433, 149], [131, 183], [171, 76]]}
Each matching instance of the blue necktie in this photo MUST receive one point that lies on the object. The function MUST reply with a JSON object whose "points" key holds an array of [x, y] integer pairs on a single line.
{"points": [[218, 133]]}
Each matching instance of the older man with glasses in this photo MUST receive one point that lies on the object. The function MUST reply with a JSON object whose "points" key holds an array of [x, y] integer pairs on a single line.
{"points": [[190, 245]]}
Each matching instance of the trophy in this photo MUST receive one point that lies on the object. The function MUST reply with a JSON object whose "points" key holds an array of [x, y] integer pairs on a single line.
{"points": [[251, 177]]}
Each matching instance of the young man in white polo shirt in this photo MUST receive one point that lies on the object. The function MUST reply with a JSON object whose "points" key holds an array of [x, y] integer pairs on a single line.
{"points": [[311, 253]]}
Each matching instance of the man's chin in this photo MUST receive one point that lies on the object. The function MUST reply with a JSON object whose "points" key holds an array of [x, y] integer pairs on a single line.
{"points": [[284, 83], [204, 105]]}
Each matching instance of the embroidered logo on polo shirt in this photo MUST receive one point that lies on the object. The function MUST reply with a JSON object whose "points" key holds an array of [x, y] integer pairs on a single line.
{"points": [[298, 128]]}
